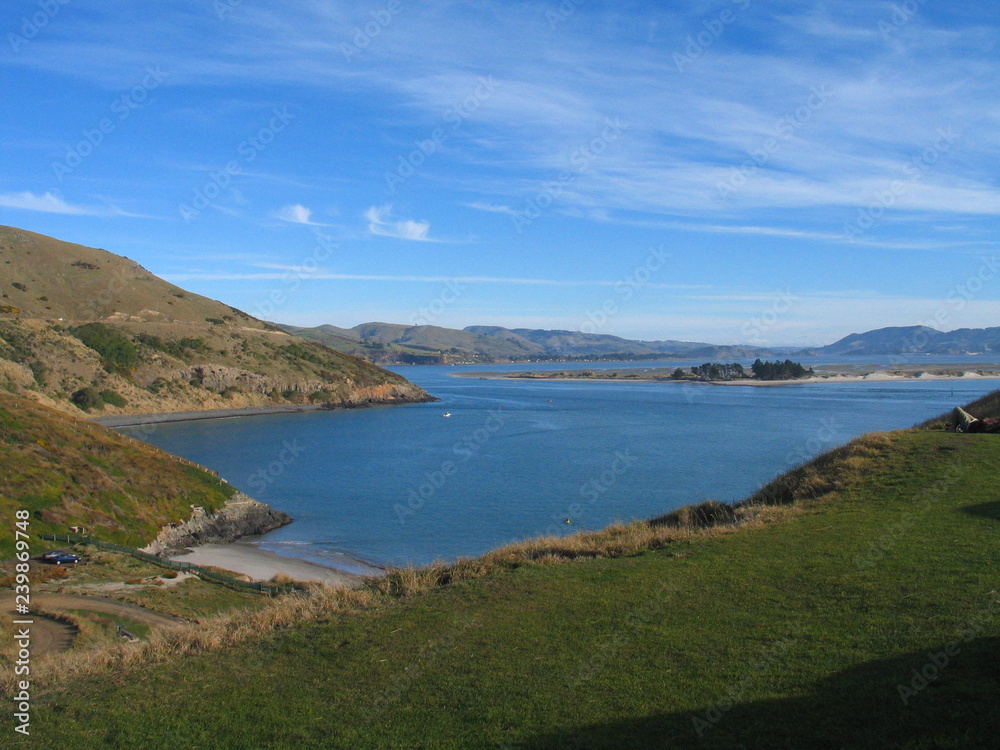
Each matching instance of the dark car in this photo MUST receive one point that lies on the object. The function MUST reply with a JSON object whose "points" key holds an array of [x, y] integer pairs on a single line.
{"points": [[61, 558]]}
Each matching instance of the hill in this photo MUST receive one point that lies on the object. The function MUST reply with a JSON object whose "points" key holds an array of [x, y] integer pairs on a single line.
{"points": [[390, 342], [85, 330], [67, 471], [914, 340], [860, 611]]}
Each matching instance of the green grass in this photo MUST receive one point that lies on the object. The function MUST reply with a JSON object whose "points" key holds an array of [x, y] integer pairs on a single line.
{"points": [[69, 472], [795, 633]]}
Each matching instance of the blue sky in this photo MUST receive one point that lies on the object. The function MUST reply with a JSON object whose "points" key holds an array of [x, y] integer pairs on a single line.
{"points": [[726, 170]]}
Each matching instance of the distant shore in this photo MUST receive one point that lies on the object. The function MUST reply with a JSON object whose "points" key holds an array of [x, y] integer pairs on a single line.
{"points": [[822, 374]]}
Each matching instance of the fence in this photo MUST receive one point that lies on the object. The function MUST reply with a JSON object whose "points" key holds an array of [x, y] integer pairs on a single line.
{"points": [[268, 589]]}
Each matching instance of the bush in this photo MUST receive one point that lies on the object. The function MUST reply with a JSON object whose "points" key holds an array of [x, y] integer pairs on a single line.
{"points": [[114, 398], [87, 399], [10, 309], [117, 351]]}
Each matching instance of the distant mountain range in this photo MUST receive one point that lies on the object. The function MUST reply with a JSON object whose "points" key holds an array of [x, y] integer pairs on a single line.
{"points": [[914, 340], [387, 343]]}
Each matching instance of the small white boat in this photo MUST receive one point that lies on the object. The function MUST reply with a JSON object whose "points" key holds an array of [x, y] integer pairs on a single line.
{"points": [[447, 414]]}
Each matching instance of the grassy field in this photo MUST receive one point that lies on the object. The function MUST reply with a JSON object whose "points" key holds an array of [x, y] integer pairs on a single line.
{"points": [[867, 618]]}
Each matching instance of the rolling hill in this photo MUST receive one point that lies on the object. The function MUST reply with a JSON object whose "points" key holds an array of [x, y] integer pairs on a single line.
{"points": [[85, 330], [914, 340], [390, 342]]}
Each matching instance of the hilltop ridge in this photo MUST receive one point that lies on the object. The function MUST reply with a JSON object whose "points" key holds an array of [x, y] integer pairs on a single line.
{"points": [[85, 330]]}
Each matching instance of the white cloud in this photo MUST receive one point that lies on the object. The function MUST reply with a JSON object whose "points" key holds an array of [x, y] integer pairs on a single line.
{"points": [[380, 223], [47, 203], [295, 214], [491, 208]]}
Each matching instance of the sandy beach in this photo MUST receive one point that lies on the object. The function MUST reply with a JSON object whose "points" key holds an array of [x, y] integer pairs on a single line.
{"points": [[263, 565]]}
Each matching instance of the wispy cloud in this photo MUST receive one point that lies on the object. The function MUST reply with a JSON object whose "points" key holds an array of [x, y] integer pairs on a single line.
{"points": [[403, 278], [381, 223], [295, 214], [52, 204]]}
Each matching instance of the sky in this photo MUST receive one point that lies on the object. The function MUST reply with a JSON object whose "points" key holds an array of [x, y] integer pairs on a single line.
{"points": [[730, 171]]}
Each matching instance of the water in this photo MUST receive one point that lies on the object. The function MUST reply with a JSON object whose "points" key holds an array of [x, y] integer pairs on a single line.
{"points": [[397, 485]]}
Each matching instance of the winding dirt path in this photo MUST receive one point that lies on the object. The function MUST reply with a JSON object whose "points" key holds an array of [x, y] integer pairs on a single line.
{"points": [[50, 636]]}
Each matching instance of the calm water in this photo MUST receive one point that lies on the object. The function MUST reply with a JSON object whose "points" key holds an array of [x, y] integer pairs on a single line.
{"points": [[397, 485]]}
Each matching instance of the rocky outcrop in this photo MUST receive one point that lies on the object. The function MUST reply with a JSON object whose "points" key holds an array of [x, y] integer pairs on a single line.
{"points": [[241, 516]]}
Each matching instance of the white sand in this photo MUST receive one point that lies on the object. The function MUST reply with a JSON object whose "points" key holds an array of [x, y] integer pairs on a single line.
{"points": [[262, 565]]}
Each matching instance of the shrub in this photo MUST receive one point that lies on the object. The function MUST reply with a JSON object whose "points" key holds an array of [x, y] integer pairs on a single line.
{"points": [[117, 351], [87, 399], [114, 398], [18, 285], [38, 369], [10, 309]]}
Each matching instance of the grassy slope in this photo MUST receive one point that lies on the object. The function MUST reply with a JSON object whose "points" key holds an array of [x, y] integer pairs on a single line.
{"points": [[801, 630], [69, 472], [191, 352]]}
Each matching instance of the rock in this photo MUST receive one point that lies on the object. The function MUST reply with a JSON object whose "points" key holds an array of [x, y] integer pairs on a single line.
{"points": [[241, 516]]}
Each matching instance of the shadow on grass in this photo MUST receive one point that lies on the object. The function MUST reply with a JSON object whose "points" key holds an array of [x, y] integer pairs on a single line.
{"points": [[861, 707], [985, 510]]}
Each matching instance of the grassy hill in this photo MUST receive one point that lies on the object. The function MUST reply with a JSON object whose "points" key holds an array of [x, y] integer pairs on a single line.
{"points": [[862, 611], [78, 320], [391, 342], [69, 471]]}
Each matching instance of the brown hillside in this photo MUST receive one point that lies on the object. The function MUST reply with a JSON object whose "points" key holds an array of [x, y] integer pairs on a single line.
{"points": [[85, 330]]}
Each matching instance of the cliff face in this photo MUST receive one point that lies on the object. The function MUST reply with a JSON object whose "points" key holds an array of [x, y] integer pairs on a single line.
{"points": [[240, 516], [87, 331]]}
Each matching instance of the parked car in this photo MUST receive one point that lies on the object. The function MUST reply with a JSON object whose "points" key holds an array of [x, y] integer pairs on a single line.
{"points": [[61, 558]]}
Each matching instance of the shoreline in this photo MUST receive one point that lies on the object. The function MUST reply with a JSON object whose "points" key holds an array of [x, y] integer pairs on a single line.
{"points": [[246, 558], [140, 420], [832, 376]]}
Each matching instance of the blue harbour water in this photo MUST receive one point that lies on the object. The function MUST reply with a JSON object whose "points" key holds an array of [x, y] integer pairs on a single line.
{"points": [[404, 484]]}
